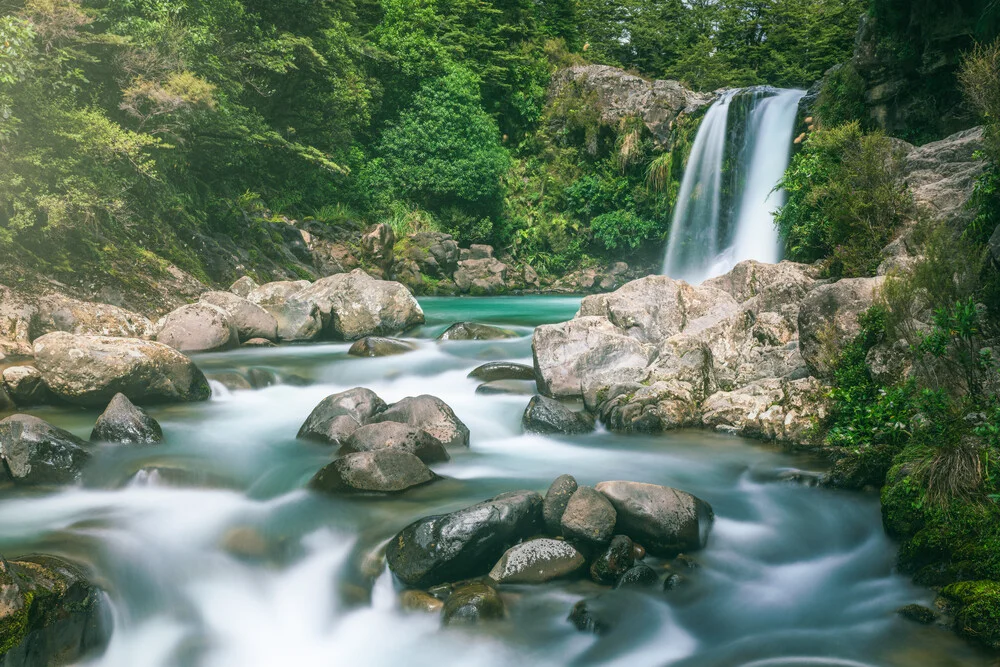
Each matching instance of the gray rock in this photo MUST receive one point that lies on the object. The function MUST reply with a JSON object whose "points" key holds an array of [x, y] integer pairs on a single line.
{"points": [[507, 388], [337, 416], [199, 327], [537, 561], [481, 276], [434, 254], [502, 370], [473, 603], [26, 385], [251, 320], [589, 518], [393, 435], [547, 415], [243, 287], [664, 520], [374, 346], [126, 424], [260, 342], [260, 378], [619, 557], [638, 576], [35, 452], [828, 319], [381, 471], [476, 331], [556, 499], [61, 313], [772, 409], [430, 414], [297, 320]]}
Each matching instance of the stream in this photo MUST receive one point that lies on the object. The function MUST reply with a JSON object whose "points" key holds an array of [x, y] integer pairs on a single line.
{"points": [[792, 575]]}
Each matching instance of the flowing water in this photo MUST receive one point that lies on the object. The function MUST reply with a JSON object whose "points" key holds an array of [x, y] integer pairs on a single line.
{"points": [[792, 574]]}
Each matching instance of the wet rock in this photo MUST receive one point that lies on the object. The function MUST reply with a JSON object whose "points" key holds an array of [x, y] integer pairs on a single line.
{"points": [[475, 331], [601, 614], [245, 542], [199, 327], [547, 415], [674, 581], [537, 561], [614, 561], [393, 435], [828, 319], [374, 346], [90, 370], [664, 520], [430, 414], [259, 342], [381, 471], [26, 386], [413, 600], [231, 380], [465, 543], [507, 388], [337, 416], [244, 286], [556, 499], [35, 452], [251, 320], [502, 370], [126, 424], [260, 378], [638, 576], [297, 320], [473, 603], [918, 613], [589, 518]]}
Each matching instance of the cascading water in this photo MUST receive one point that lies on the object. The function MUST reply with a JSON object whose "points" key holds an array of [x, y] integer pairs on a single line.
{"points": [[707, 237]]}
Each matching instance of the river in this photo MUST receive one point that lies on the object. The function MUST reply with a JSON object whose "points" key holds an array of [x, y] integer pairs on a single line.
{"points": [[211, 553]]}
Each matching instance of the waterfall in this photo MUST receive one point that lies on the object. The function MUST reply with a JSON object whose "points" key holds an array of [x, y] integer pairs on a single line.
{"points": [[725, 207]]}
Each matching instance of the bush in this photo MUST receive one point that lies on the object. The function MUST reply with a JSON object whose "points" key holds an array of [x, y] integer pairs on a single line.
{"points": [[842, 97], [621, 229]]}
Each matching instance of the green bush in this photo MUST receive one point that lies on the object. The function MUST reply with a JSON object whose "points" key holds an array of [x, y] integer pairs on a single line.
{"points": [[842, 97], [621, 229]]}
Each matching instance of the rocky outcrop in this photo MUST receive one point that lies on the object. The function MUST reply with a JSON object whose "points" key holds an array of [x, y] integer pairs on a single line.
{"points": [[942, 175], [480, 277], [35, 452], [771, 409], [355, 305], [125, 424], [828, 318], [199, 327]]}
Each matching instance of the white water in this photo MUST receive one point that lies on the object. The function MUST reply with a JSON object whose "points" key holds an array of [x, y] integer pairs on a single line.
{"points": [[699, 248]]}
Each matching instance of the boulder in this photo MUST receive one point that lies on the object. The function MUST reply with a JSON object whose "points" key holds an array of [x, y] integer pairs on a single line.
{"points": [[259, 342], [434, 254], [414, 600], [649, 408], [475, 331], [35, 452], [770, 409], [26, 385], [589, 518], [481, 276], [507, 387], [537, 561], [276, 292], [331, 258], [296, 320], [476, 251], [664, 520], [243, 287], [771, 283], [380, 471], [547, 415], [556, 499], [614, 561], [199, 327], [251, 320], [465, 543], [828, 319], [472, 603], [502, 370], [375, 346], [393, 435], [90, 370], [61, 313], [126, 424], [354, 305], [17, 313], [337, 416], [430, 414], [640, 576], [231, 380], [377, 244]]}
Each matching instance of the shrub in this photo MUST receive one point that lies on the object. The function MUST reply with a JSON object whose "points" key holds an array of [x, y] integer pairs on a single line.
{"points": [[621, 229], [842, 96]]}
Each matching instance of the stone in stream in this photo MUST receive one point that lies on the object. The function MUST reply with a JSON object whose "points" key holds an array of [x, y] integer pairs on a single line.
{"points": [[337, 416], [126, 424], [547, 415], [430, 414], [231, 380], [638, 576], [26, 386], [259, 342], [602, 613], [503, 370], [296, 320], [472, 603], [918, 614], [589, 518], [413, 600], [614, 561], [376, 346], [556, 499], [381, 471], [664, 520], [252, 321], [393, 435], [465, 543], [476, 331], [507, 388], [537, 561], [35, 452], [260, 378], [199, 327]]}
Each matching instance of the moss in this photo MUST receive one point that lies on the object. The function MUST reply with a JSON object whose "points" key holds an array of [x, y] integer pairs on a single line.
{"points": [[14, 628], [976, 605]]}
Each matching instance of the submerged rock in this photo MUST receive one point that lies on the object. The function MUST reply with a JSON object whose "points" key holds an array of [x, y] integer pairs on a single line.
{"points": [[502, 370], [26, 386], [430, 414], [507, 388], [537, 561], [381, 471], [918, 613], [126, 424], [664, 520], [472, 603], [614, 561], [465, 543], [547, 415], [413, 600], [354, 305], [337, 416], [393, 435], [199, 327], [375, 346], [476, 331], [35, 452], [589, 518], [556, 499], [638, 576], [251, 320]]}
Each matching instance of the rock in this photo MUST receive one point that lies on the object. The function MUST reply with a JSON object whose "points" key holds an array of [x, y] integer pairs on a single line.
{"points": [[231, 380], [772, 409], [477, 251], [243, 287], [556, 499], [260, 342], [503, 370], [90, 370], [828, 319], [276, 292], [473, 603], [199, 327], [918, 614], [475, 331], [126, 424], [649, 408], [770, 283], [61, 313], [51, 615], [430, 414], [393, 435], [507, 387], [261, 378], [638, 576], [614, 561], [537, 561], [26, 386], [412, 600], [603, 613], [377, 244], [481, 276], [337, 416], [332, 258], [433, 253], [16, 316], [673, 582], [942, 176], [355, 305], [465, 543], [589, 518], [374, 346], [297, 320], [6, 403], [251, 320], [547, 415], [381, 471], [36, 452], [664, 520]]}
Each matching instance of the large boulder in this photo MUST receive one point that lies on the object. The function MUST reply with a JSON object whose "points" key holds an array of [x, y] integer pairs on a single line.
{"points": [[251, 320], [665, 521], [26, 385], [772, 283], [828, 319], [465, 543], [355, 305], [430, 414], [199, 327], [476, 331], [90, 370], [537, 561], [35, 452], [639, 407], [337, 416], [481, 276], [380, 471], [770, 409], [125, 424], [589, 518], [393, 435], [547, 415], [61, 313], [297, 320]]}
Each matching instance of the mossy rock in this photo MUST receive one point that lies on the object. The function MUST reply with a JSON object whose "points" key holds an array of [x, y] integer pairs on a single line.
{"points": [[976, 606]]}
